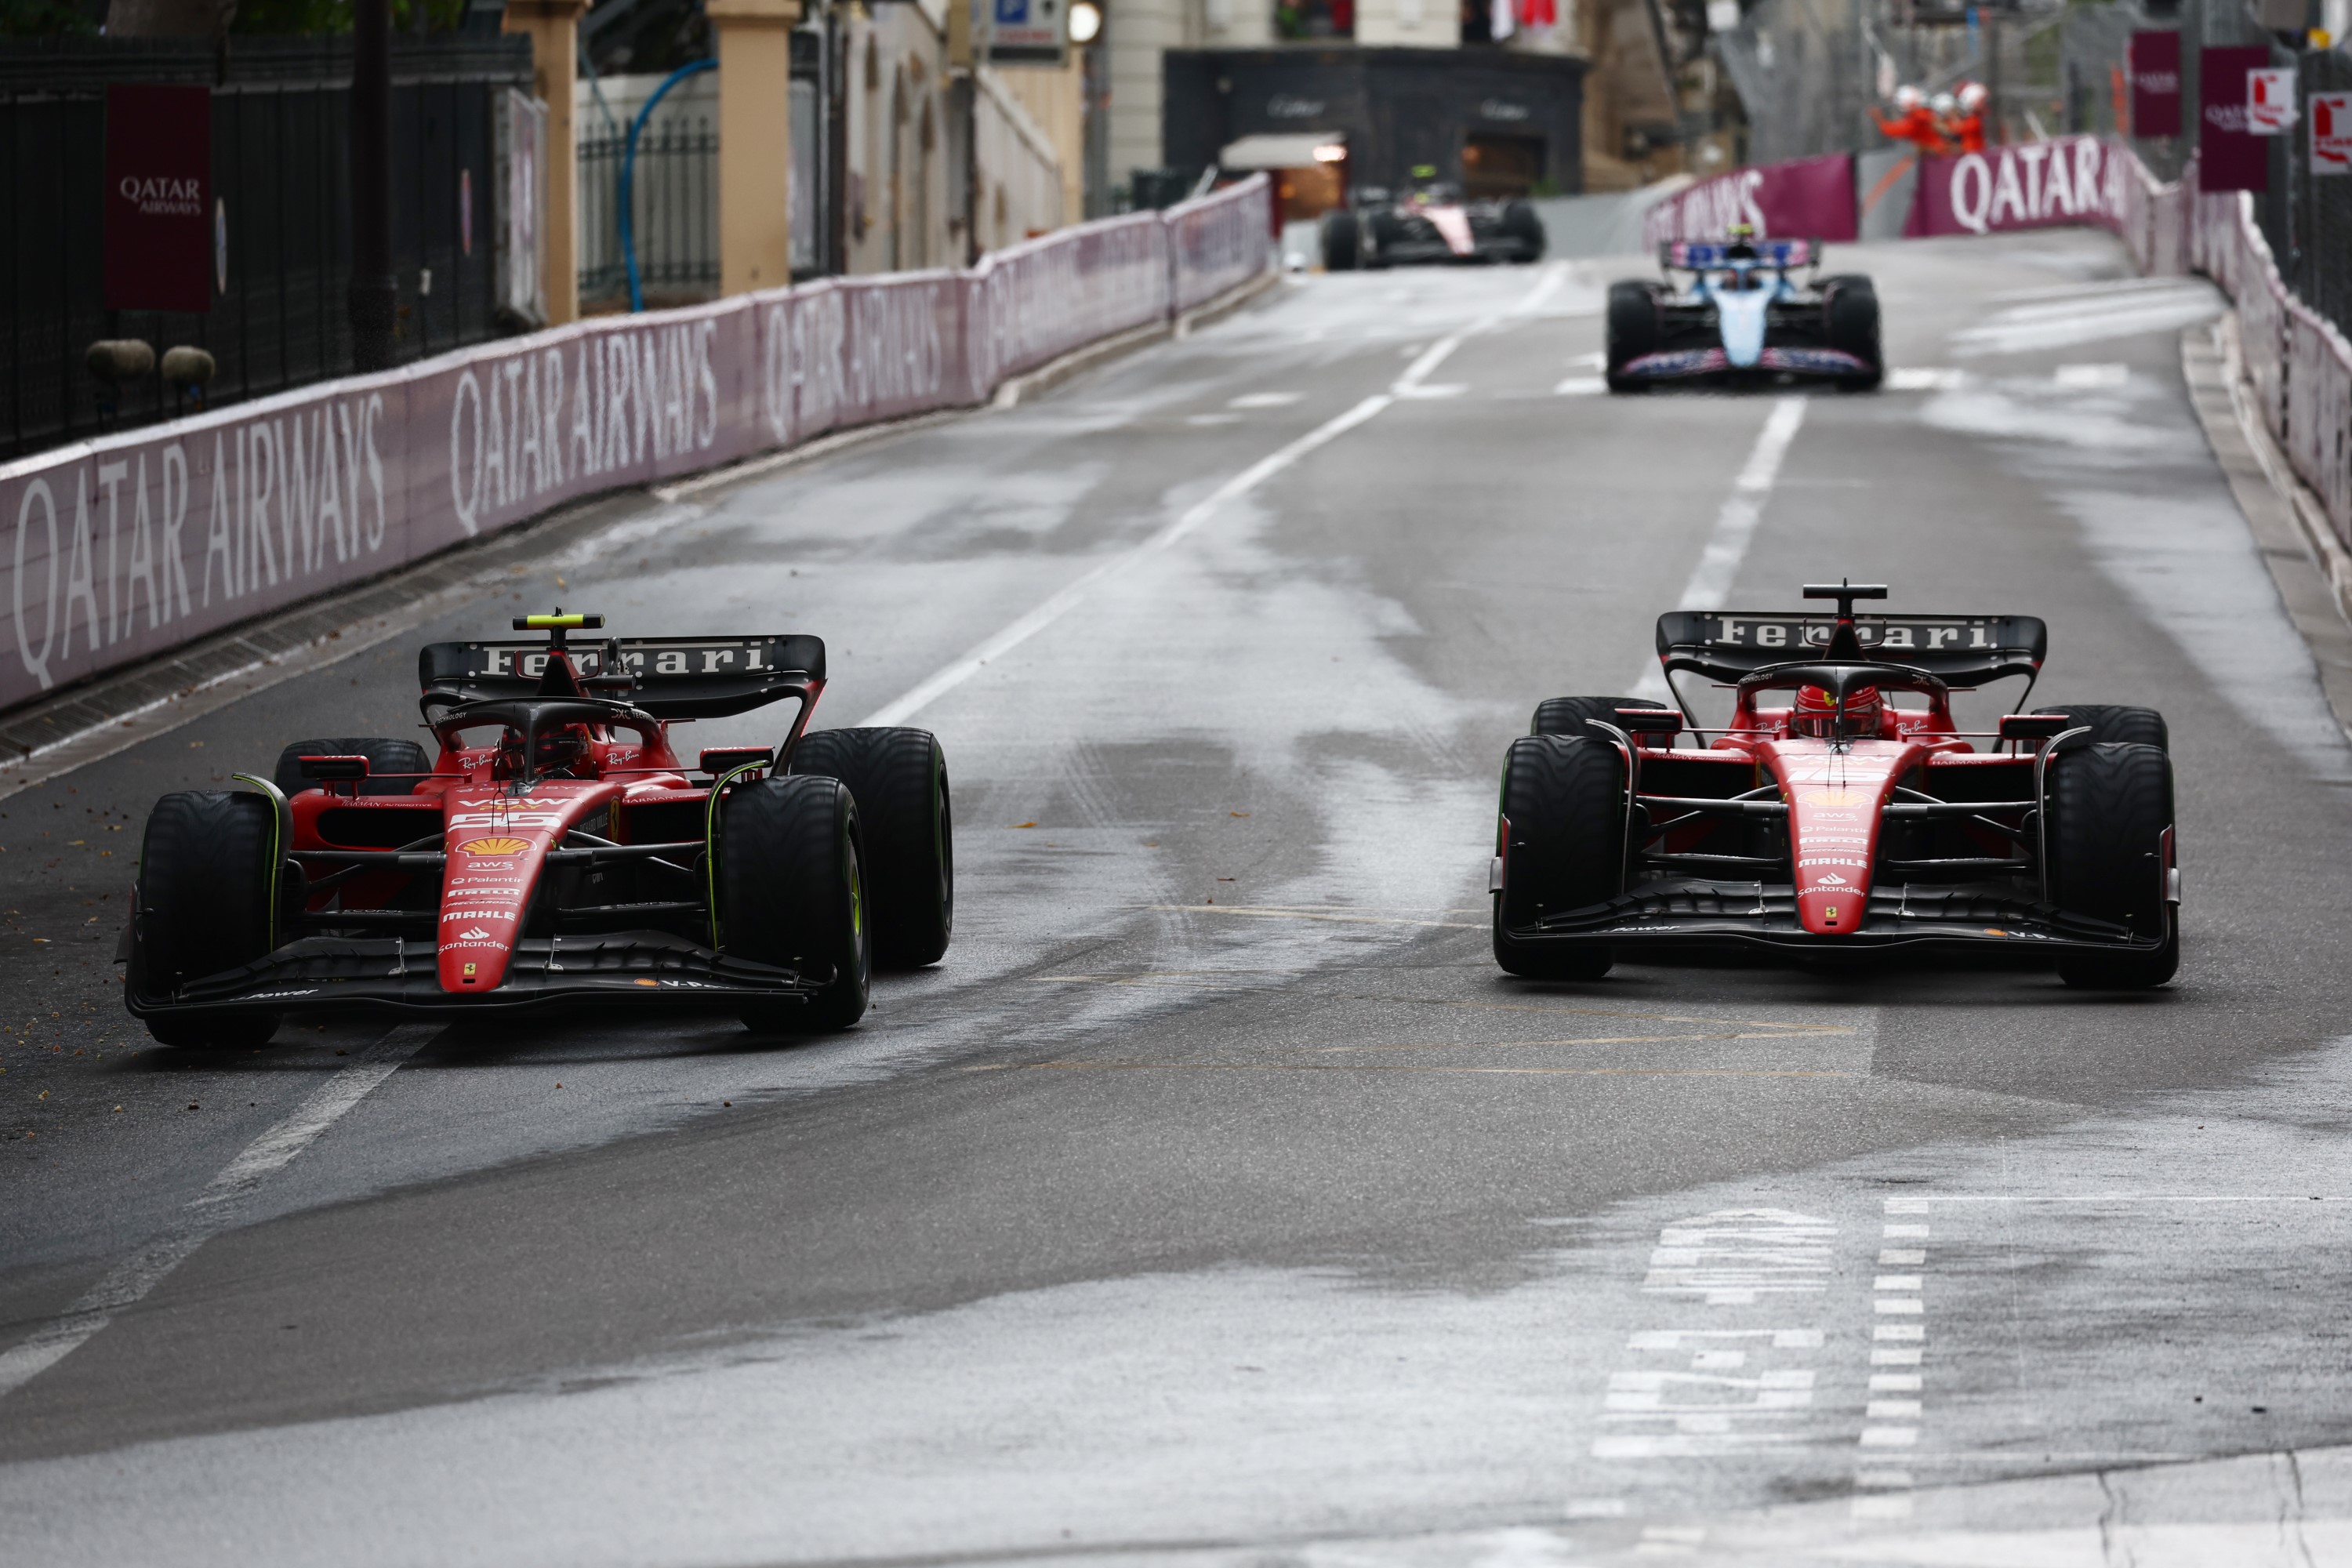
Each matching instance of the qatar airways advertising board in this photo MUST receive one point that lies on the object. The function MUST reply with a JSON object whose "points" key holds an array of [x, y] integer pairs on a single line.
{"points": [[2034, 184], [1812, 198]]}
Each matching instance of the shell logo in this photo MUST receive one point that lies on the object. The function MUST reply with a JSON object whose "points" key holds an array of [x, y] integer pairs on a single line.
{"points": [[1834, 797], [494, 846]]}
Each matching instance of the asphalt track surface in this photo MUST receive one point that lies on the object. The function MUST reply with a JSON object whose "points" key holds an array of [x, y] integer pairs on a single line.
{"points": [[1217, 1199]]}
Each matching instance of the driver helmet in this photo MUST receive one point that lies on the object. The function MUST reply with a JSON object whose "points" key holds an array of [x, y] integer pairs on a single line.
{"points": [[1973, 95], [1944, 103], [1909, 97], [1816, 713], [558, 751], [1742, 238]]}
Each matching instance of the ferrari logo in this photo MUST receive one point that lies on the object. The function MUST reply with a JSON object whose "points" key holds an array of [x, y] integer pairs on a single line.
{"points": [[494, 846]]}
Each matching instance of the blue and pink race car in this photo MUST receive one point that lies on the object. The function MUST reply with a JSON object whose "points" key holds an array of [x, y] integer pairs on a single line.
{"points": [[1743, 318]]}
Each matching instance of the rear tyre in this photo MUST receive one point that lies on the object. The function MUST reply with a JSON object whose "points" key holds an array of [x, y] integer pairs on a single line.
{"points": [[2111, 723], [900, 779], [1566, 715], [2110, 805], [1340, 235], [792, 892], [1633, 329], [383, 757], [1563, 837], [203, 907], [1850, 316], [1520, 222]]}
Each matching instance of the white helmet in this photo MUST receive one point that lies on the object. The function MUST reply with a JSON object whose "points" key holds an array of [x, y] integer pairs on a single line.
{"points": [[1909, 97], [1943, 103], [1973, 95]]}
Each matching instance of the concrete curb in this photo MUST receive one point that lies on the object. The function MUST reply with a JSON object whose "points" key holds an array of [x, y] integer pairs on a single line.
{"points": [[116, 711], [2310, 566]]}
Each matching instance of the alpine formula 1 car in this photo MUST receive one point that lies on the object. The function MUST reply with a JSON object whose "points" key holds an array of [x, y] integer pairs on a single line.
{"points": [[1743, 318], [556, 852], [1430, 222], [1828, 818]]}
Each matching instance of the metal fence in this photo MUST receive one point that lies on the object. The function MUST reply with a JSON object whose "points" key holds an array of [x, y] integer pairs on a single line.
{"points": [[674, 210], [280, 173], [2305, 220]]}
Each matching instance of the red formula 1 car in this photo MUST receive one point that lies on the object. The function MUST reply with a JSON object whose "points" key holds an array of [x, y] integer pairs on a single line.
{"points": [[1828, 817], [557, 852]]}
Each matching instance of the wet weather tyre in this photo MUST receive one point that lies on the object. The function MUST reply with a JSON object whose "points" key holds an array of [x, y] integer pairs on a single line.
{"points": [[1563, 847], [1520, 222], [1850, 318], [2110, 806], [1566, 715], [1341, 235], [900, 779], [384, 757], [203, 907], [1633, 329], [791, 893], [2109, 723]]}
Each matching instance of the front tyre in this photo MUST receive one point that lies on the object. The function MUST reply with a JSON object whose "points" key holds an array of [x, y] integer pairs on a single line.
{"points": [[1341, 241], [791, 893], [1521, 222], [2108, 722], [900, 779], [1566, 715], [1850, 321], [1562, 834], [2110, 806], [204, 893], [1634, 328]]}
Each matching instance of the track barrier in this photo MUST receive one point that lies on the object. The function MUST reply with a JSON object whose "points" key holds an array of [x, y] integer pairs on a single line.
{"points": [[125, 547]]}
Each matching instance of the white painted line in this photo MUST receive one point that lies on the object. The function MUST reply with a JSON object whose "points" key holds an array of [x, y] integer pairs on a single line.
{"points": [[2090, 377], [1896, 1282], [1882, 1507], [1889, 1437], [1899, 1306], [1593, 361], [1213, 419], [1892, 1410], [1882, 1356], [1900, 1255], [955, 673], [216, 1209], [1904, 1232], [1925, 378], [1895, 1381], [1580, 386], [1735, 528], [1735, 525], [1264, 400], [1433, 390], [1898, 1331]]}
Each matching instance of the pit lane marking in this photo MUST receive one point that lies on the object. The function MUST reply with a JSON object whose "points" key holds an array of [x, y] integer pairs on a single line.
{"points": [[1262, 913], [222, 1206]]}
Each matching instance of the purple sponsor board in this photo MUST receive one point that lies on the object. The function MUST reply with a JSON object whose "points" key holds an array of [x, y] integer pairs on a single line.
{"points": [[2230, 156], [124, 548], [2032, 184], [1812, 198], [2154, 60]]}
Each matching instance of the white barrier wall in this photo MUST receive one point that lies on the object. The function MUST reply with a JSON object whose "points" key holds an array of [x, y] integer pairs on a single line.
{"points": [[127, 546]]}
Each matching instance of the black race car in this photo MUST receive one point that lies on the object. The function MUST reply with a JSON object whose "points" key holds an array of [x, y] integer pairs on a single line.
{"points": [[1430, 223], [1743, 318]]}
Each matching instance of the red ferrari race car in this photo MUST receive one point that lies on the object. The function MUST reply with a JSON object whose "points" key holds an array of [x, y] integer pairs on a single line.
{"points": [[557, 851], [1840, 810]]}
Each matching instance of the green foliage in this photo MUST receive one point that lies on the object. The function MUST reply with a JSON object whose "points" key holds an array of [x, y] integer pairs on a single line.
{"points": [[46, 19]]}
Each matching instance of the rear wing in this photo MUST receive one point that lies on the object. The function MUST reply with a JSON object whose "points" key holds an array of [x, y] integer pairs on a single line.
{"points": [[1960, 650], [1703, 255], [676, 678]]}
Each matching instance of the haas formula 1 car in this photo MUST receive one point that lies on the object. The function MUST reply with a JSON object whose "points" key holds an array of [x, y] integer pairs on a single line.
{"points": [[1429, 223], [557, 851], [1829, 817], [1743, 318]]}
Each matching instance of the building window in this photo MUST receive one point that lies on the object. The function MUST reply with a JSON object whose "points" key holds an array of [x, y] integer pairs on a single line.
{"points": [[1315, 18]]}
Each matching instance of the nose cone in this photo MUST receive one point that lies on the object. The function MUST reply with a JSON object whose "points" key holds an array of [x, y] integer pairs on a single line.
{"points": [[1740, 316]]}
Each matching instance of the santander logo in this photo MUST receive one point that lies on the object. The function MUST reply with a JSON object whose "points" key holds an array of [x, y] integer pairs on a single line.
{"points": [[1831, 880], [476, 934]]}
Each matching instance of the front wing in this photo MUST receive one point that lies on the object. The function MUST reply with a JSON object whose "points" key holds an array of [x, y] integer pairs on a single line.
{"points": [[1685, 364], [394, 975], [1751, 914]]}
